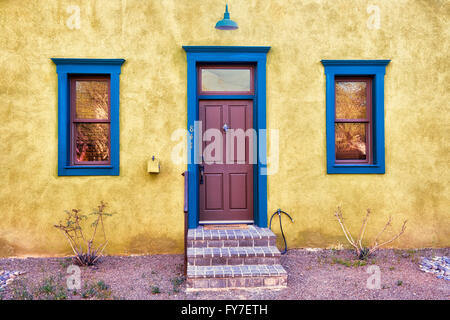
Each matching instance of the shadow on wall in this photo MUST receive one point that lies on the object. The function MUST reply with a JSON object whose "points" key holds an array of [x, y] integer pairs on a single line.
{"points": [[145, 243], [318, 239], [6, 249]]}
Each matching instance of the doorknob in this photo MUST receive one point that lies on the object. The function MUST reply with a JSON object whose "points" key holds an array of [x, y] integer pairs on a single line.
{"points": [[225, 127], [201, 168]]}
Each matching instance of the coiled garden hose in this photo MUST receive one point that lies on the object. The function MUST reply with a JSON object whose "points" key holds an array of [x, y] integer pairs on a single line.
{"points": [[279, 212]]}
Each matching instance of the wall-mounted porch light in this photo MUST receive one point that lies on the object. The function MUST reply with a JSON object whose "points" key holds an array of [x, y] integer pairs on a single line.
{"points": [[226, 23]]}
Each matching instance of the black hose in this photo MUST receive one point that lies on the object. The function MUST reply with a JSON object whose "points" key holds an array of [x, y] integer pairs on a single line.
{"points": [[279, 212]]}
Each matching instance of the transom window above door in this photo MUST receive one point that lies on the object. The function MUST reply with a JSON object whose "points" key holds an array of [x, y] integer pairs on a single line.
{"points": [[226, 79]]}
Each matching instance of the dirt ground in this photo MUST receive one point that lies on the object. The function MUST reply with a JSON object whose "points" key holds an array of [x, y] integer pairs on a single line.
{"points": [[313, 274]]}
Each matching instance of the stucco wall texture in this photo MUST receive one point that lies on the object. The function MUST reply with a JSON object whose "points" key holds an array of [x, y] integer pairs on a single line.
{"points": [[149, 35]]}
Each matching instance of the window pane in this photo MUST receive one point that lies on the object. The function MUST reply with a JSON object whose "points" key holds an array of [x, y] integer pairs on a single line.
{"points": [[226, 80], [350, 141], [92, 142], [92, 100], [351, 100]]}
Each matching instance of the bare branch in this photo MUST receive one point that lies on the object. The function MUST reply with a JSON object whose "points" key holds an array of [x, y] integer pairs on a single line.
{"points": [[77, 254], [363, 229], [101, 252], [347, 234], [382, 231], [375, 247], [86, 253], [360, 250]]}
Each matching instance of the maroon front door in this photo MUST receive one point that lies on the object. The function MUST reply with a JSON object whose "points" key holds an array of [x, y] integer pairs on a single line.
{"points": [[226, 186]]}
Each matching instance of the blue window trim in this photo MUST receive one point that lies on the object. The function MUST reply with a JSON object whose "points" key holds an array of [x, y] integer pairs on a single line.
{"points": [[64, 68], [371, 68], [229, 54]]}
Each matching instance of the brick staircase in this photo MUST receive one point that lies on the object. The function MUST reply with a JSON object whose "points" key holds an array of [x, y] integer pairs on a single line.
{"points": [[241, 258]]}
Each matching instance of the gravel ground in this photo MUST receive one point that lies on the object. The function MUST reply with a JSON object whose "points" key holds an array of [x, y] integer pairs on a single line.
{"points": [[313, 274]]}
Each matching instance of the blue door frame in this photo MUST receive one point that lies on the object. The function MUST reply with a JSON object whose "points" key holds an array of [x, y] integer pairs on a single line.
{"points": [[228, 54]]}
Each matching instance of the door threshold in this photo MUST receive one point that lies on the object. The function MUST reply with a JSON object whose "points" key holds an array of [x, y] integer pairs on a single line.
{"points": [[227, 222], [240, 226]]}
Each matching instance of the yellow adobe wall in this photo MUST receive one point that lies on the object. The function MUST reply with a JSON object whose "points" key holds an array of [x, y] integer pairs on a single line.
{"points": [[149, 34]]}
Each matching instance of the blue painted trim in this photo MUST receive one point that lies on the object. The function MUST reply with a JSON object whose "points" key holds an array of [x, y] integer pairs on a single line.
{"points": [[327, 63], [232, 54], [261, 178], [372, 68], [64, 68], [66, 61], [225, 49]]}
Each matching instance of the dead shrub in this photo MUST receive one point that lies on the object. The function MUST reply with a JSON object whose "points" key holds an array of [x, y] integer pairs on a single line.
{"points": [[361, 251], [86, 252]]}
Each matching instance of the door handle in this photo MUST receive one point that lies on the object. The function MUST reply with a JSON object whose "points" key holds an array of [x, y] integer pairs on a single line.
{"points": [[201, 168]]}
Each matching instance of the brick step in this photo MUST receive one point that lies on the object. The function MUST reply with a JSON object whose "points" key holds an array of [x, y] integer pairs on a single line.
{"points": [[253, 236], [233, 256], [243, 276]]}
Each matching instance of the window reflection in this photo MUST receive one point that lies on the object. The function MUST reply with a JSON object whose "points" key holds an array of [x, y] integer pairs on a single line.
{"points": [[226, 80], [92, 100], [351, 100], [92, 142], [350, 141]]}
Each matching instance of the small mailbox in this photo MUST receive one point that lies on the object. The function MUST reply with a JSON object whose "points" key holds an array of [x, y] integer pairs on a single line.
{"points": [[153, 165]]}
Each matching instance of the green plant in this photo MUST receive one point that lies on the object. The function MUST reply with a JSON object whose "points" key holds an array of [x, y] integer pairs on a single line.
{"points": [[362, 251], [86, 253], [20, 291], [50, 289], [410, 253], [98, 290], [65, 263], [102, 285], [61, 295], [88, 291], [349, 263], [155, 290], [176, 283], [399, 282]]}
